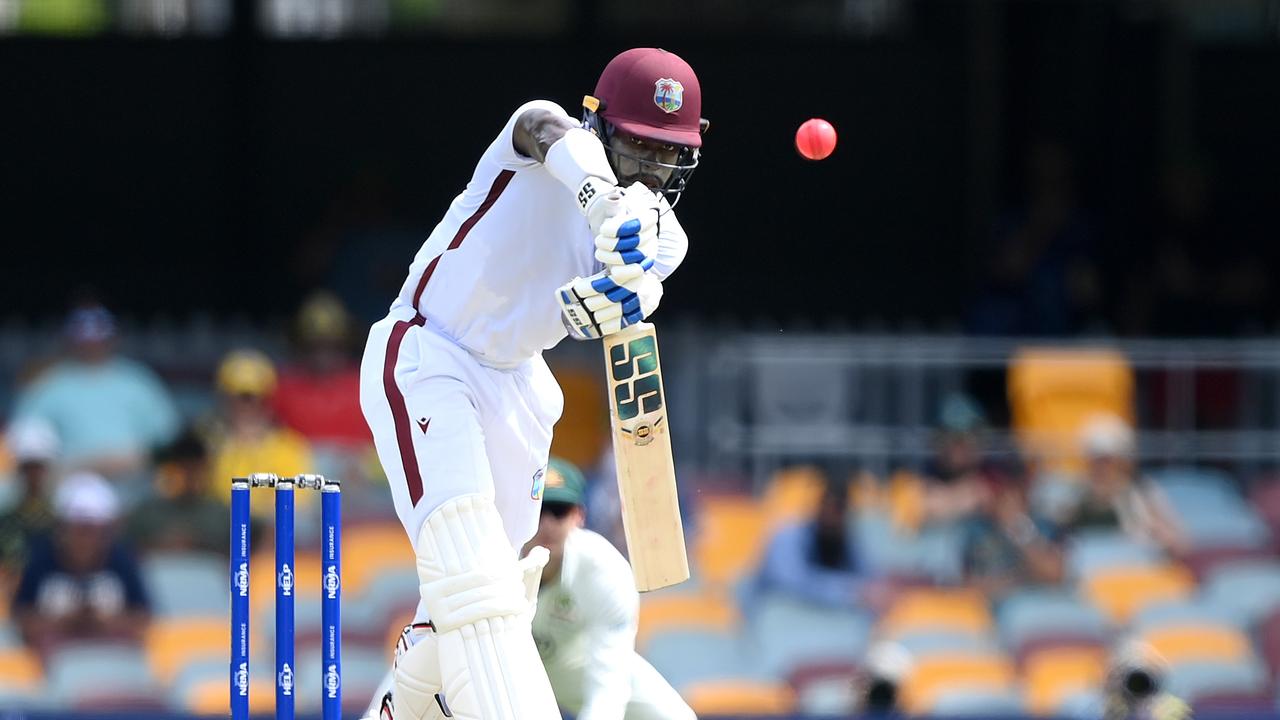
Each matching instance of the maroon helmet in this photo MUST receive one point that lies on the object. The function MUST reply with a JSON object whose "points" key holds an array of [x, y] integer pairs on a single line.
{"points": [[652, 94]]}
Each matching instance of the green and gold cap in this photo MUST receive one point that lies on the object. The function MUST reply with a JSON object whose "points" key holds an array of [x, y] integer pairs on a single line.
{"points": [[564, 483]]}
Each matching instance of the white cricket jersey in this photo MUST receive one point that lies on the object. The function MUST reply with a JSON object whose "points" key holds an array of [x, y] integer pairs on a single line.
{"points": [[487, 275], [585, 627]]}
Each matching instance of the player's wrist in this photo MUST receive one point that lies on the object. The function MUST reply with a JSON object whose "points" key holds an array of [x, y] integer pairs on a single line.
{"points": [[576, 160]]}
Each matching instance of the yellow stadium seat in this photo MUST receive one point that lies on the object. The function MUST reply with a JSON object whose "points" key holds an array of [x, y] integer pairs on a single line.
{"points": [[209, 697], [583, 428], [906, 500], [172, 643], [740, 697], [732, 531], [704, 611], [369, 550], [1052, 675], [1184, 643], [793, 494], [957, 610], [932, 675], [1054, 392], [19, 669], [1119, 593]]}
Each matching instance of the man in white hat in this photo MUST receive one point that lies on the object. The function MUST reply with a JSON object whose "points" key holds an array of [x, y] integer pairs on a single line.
{"points": [[80, 582], [34, 447]]}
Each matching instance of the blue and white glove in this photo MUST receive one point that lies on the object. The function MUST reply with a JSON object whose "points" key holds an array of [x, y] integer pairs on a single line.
{"points": [[629, 236], [597, 306]]}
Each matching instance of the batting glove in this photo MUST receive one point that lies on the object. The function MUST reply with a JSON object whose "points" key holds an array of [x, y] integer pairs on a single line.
{"points": [[597, 306]]}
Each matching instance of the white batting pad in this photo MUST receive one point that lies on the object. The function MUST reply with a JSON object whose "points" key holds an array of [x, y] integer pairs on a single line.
{"points": [[475, 593], [416, 679]]}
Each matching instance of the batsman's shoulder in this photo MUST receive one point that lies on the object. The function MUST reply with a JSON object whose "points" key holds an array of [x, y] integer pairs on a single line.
{"points": [[536, 107]]}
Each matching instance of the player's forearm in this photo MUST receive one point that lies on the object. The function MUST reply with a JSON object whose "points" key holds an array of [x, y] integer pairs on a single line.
{"points": [[537, 130]]}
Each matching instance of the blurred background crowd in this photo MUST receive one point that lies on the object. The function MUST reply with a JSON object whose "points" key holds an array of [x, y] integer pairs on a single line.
{"points": [[998, 433]]}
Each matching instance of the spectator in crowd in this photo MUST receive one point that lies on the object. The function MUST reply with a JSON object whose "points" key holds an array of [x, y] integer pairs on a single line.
{"points": [[34, 446], [819, 561], [1005, 547], [957, 481], [80, 582], [1115, 498], [182, 515], [245, 437], [109, 412], [319, 395]]}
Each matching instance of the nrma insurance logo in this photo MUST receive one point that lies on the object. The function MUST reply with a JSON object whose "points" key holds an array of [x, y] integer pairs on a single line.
{"points": [[285, 680], [242, 580], [242, 680], [286, 580], [332, 681], [331, 582]]}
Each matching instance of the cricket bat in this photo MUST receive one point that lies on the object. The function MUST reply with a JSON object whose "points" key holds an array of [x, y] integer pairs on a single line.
{"points": [[642, 451]]}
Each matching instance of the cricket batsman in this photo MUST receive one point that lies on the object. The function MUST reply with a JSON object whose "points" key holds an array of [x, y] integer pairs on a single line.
{"points": [[565, 228]]}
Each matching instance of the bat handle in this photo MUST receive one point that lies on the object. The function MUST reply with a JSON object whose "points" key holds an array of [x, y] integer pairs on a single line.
{"points": [[639, 328]]}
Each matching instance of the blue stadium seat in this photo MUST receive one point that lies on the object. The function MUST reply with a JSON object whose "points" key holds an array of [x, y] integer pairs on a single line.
{"points": [[920, 644], [1246, 589], [933, 553], [688, 656], [1190, 486], [1091, 551], [363, 669], [1087, 705], [1182, 612], [186, 584], [1028, 614], [1237, 527], [1194, 679], [786, 632], [394, 587], [76, 673], [976, 703]]}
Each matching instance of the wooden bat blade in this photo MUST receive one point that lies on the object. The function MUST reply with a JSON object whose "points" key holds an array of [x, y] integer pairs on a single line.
{"points": [[642, 453]]}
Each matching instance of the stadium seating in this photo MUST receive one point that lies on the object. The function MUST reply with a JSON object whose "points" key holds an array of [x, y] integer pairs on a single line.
{"points": [[792, 495], [1053, 392], [786, 633], [984, 703], [732, 531], [172, 644], [184, 584], [740, 698], [1031, 615], [931, 678], [115, 668], [1092, 552], [685, 657], [1248, 590], [671, 612], [1180, 612], [1179, 643], [942, 610], [1053, 675], [1193, 680], [20, 671], [1122, 592]]}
